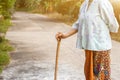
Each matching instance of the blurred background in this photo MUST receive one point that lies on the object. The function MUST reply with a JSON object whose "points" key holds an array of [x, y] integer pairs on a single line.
{"points": [[61, 10], [31, 32]]}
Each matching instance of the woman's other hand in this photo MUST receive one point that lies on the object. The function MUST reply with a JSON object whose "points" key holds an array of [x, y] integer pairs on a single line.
{"points": [[60, 36]]}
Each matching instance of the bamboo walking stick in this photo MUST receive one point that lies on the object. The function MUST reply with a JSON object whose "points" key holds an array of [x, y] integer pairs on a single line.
{"points": [[57, 57]]}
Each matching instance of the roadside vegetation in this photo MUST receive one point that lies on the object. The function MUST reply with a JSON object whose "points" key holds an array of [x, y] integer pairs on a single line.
{"points": [[6, 10]]}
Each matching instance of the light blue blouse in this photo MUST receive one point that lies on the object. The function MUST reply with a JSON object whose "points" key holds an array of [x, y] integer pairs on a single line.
{"points": [[94, 24]]}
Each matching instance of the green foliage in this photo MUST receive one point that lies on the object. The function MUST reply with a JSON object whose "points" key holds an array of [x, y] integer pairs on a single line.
{"points": [[6, 7], [0, 9], [5, 46], [4, 58], [4, 25], [1, 68], [27, 4]]}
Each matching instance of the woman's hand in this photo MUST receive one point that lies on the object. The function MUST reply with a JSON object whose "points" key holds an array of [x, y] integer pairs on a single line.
{"points": [[60, 36]]}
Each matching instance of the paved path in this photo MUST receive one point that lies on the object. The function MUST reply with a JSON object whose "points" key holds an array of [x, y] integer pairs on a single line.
{"points": [[32, 35]]}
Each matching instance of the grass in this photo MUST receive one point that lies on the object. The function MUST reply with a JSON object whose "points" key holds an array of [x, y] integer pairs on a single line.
{"points": [[1, 68], [4, 25], [4, 60], [5, 47]]}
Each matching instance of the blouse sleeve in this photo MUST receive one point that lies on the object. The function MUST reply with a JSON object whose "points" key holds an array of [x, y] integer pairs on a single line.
{"points": [[108, 16], [76, 24]]}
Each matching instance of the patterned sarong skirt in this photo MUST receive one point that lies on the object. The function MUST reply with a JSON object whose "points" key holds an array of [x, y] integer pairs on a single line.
{"points": [[97, 65]]}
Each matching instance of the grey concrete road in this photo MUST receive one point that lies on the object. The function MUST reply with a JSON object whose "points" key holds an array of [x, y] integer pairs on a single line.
{"points": [[33, 37]]}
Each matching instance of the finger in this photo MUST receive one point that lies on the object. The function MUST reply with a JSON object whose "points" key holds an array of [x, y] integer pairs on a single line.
{"points": [[58, 36], [58, 39]]}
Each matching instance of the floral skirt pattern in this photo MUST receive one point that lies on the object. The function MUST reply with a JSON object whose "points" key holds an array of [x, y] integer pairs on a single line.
{"points": [[97, 65]]}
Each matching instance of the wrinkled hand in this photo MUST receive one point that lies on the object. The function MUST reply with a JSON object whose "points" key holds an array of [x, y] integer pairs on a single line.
{"points": [[60, 36]]}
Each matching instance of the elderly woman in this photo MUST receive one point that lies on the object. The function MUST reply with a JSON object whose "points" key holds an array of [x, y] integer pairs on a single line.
{"points": [[95, 23]]}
